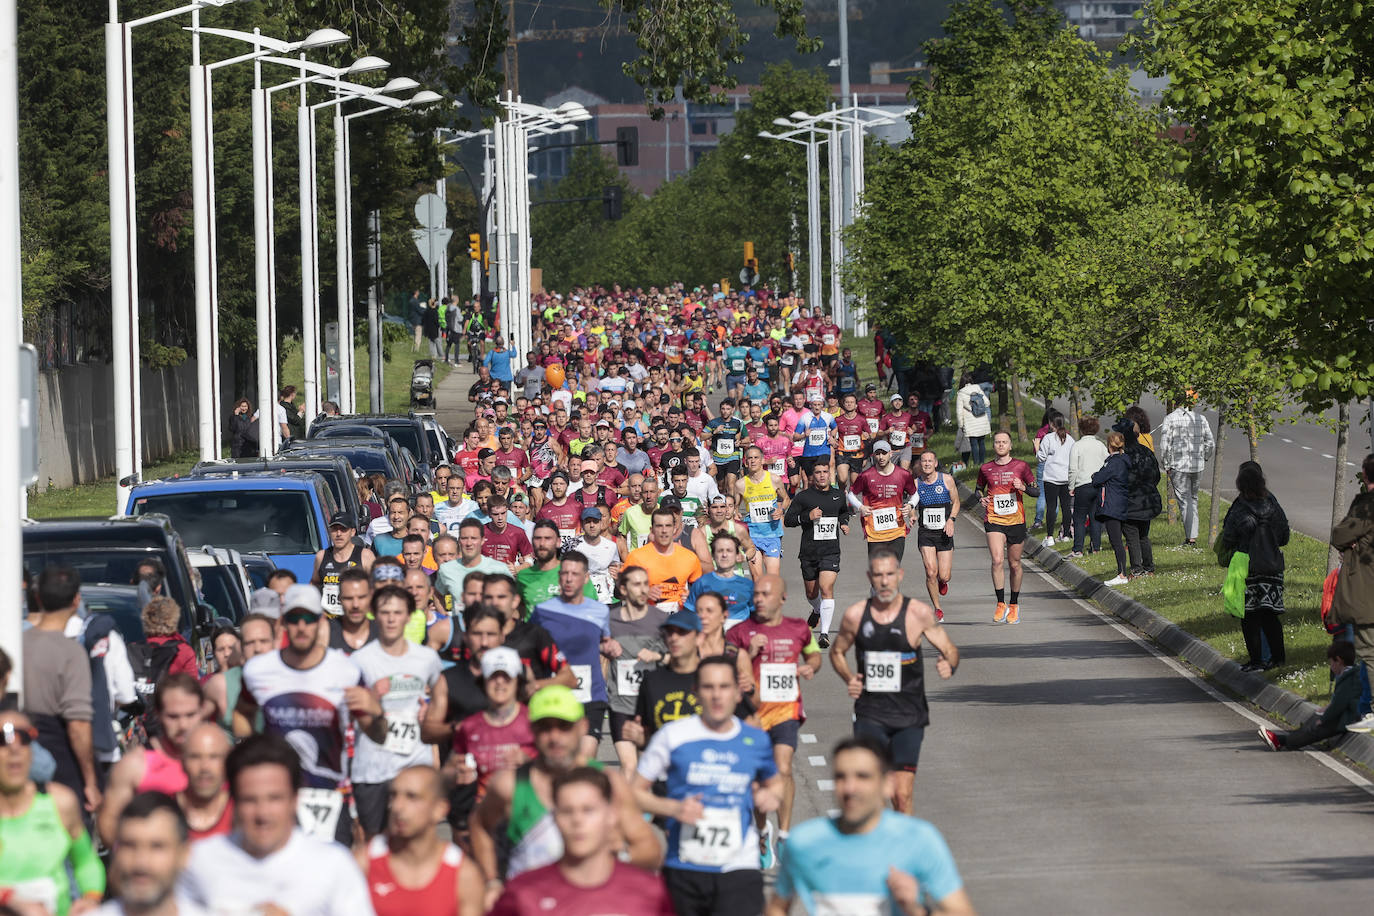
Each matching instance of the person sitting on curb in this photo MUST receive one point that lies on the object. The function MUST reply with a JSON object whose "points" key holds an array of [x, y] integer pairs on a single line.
{"points": [[1340, 712]]}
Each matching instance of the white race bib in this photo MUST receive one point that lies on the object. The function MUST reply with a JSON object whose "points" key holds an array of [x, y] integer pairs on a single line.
{"points": [[817, 437], [825, 529], [725, 446], [885, 519], [872, 424], [852, 443], [569, 537], [1004, 503], [714, 840], [628, 675], [329, 596], [670, 350], [778, 683], [761, 512], [583, 690], [828, 339], [605, 588], [317, 811], [402, 733], [882, 672], [779, 467], [918, 440], [933, 518], [897, 437], [736, 365]]}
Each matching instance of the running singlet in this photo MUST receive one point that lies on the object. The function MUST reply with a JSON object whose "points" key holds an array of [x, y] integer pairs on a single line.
{"points": [[161, 773], [719, 768], [35, 848], [533, 836], [884, 494], [894, 691], [492, 746], [1007, 507], [736, 360], [871, 409], [760, 499], [329, 578], [851, 431], [775, 667], [389, 898], [897, 426], [725, 439], [934, 505], [628, 891]]}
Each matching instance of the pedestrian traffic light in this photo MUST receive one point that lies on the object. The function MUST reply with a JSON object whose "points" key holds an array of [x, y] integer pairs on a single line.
{"points": [[610, 201], [475, 246], [627, 146], [748, 253]]}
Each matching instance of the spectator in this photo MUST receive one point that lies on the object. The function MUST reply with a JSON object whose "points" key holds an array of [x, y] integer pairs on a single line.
{"points": [[1054, 451], [974, 414], [429, 324], [1185, 446], [1085, 459], [164, 651], [416, 314], [1255, 524], [1340, 712], [243, 430], [1353, 604], [1143, 502], [1112, 481]]}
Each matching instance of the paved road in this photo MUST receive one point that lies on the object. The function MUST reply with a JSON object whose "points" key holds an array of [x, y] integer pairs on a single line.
{"points": [[1072, 771]]}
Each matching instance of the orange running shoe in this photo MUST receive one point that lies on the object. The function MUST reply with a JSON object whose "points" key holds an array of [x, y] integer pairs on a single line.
{"points": [[1000, 614], [1013, 613]]}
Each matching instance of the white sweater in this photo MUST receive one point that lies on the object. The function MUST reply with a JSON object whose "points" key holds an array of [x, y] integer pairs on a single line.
{"points": [[1086, 459], [1055, 454]]}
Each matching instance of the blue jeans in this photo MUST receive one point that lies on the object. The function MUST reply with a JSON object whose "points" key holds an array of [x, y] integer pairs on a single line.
{"points": [[1084, 501], [976, 450], [1347, 632], [1040, 500]]}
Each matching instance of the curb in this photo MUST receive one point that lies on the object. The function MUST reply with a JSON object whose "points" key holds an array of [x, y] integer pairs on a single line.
{"points": [[1179, 642]]}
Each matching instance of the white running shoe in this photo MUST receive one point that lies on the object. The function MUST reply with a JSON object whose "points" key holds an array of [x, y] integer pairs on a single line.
{"points": [[1049, 541], [1365, 725], [1119, 580]]}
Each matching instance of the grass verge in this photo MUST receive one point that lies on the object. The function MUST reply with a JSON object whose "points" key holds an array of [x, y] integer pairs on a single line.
{"points": [[98, 497]]}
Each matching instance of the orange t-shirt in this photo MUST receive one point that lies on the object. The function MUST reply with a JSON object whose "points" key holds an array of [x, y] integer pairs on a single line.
{"points": [[671, 573]]}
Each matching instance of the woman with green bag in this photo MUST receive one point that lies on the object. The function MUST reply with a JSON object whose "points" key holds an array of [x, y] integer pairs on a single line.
{"points": [[1257, 527]]}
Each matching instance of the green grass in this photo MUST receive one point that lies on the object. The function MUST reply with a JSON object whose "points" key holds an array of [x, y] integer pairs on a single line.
{"points": [[395, 371], [98, 497]]}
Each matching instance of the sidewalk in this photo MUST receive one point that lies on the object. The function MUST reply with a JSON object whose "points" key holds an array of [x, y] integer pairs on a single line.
{"points": [[451, 400]]}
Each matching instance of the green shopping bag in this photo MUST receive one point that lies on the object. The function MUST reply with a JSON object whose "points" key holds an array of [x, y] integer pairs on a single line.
{"points": [[1233, 591]]}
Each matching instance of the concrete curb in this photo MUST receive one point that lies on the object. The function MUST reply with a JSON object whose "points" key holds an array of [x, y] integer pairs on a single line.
{"points": [[1170, 636]]}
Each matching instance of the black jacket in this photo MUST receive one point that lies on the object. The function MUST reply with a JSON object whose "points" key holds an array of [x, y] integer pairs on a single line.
{"points": [[1143, 501], [1112, 481], [1259, 528]]}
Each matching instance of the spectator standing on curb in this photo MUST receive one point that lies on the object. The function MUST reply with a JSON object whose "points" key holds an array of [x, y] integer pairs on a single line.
{"points": [[1054, 450], [1353, 604], [1185, 446], [430, 325], [416, 314], [1338, 714], [1143, 502], [1111, 482], [1086, 458], [1256, 525], [974, 415]]}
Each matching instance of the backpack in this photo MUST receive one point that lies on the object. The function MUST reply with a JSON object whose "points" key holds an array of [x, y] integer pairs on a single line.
{"points": [[150, 662], [978, 404]]}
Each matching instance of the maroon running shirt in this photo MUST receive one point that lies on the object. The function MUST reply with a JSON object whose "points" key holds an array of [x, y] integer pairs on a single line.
{"points": [[628, 892], [509, 546]]}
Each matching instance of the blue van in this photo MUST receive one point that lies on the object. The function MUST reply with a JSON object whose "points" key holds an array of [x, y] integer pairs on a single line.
{"points": [[282, 514]]}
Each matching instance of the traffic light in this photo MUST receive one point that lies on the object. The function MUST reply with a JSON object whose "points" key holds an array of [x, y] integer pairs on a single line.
{"points": [[752, 264], [475, 246], [627, 146], [748, 253], [791, 261], [610, 201], [486, 260]]}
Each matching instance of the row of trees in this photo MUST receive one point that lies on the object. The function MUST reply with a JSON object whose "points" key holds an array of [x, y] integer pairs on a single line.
{"points": [[1041, 220]]}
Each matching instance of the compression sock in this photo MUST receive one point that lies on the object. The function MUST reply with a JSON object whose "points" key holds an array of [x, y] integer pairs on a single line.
{"points": [[1014, 596], [1001, 595], [827, 613]]}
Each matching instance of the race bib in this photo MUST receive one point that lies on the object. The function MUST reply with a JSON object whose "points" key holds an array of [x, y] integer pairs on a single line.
{"points": [[817, 437], [779, 467], [42, 891], [670, 350], [317, 811], [714, 840], [828, 339], [918, 440], [852, 443], [725, 446], [788, 360], [885, 519], [605, 588], [933, 518], [1004, 503], [778, 683], [761, 512], [583, 690], [736, 365], [402, 733], [851, 905], [897, 437], [825, 529], [882, 672], [329, 596], [569, 537], [628, 676], [872, 424]]}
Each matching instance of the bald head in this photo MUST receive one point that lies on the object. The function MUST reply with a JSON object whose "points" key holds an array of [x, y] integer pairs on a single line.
{"points": [[202, 758], [769, 593]]}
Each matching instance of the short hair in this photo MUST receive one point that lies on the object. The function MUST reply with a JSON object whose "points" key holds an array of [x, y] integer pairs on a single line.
{"points": [[667, 513], [444, 537], [161, 616], [1116, 440], [413, 539], [884, 553], [1088, 426], [287, 391], [724, 538], [1343, 649], [724, 660], [398, 499], [387, 592], [546, 523], [588, 776], [504, 578], [473, 523], [574, 556], [281, 572], [425, 495], [180, 680], [497, 502], [58, 586], [679, 470], [355, 574], [266, 749], [146, 804], [479, 577], [865, 743], [256, 618], [482, 611]]}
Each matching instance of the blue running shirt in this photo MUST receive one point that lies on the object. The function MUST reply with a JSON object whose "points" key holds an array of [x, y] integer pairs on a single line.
{"points": [[577, 630]]}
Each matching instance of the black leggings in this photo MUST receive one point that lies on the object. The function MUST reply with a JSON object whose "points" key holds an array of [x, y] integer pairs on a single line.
{"points": [[1118, 547], [1057, 504], [1138, 545], [1267, 622]]}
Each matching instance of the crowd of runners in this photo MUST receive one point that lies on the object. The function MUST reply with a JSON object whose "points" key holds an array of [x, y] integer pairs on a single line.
{"points": [[419, 727]]}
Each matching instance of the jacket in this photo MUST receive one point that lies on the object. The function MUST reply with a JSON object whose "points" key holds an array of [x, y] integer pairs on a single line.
{"points": [[1143, 501], [1055, 456], [1114, 479], [971, 425], [1244, 529], [1085, 460], [1185, 442], [1353, 536], [1344, 707]]}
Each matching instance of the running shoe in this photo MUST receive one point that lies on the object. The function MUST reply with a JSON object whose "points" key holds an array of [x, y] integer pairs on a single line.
{"points": [[939, 615], [767, 857], [814, 619], [1049, 541], [1118, 580], [1075, 554], [1013, 613], [1001, 613], [1270, 739], [944, 586], [1365, 725], [823, 641]]}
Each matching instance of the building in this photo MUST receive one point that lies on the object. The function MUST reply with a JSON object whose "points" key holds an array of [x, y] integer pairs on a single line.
{"points": [[1104, 22]]}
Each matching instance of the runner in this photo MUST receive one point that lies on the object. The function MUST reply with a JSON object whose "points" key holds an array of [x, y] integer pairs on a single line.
{"points": [[870, 408], [852, 431], [815, 431], [898, 425], [763, 497], [410, 871], [889, 691], [588, 879], [343, 553], [603, 557], [936, 507], [179, 704], [867, 859], [726, 433], [499, 737], [560, 509], [355, 628], [724, 581], [1000, 488], [777, 652], [710, 763], [822, 513], [205, 801], [636, 522], [635, 625], [672, 568], [882, 495], [582, 628], [776, 446]]}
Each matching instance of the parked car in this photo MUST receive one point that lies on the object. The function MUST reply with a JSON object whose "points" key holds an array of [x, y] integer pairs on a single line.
{"points": [[407, 431], [439, 439], [335, 469], [259, 566], [282, 514], [224, 581], [368, 456]]}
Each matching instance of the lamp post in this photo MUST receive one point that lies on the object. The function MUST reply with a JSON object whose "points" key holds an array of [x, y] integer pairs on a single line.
{"points": [[441, 188], [813, 140], [11, 486]]}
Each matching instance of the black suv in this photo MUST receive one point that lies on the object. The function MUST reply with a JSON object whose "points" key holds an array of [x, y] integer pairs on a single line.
{"points": [[408, 432]]}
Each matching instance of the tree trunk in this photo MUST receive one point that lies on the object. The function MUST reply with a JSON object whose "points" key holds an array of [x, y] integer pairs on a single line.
{"points": [[1338, 500], [1002, 404], [1214, 517], [1075, 412], [1016, 404], [1253, 436]]}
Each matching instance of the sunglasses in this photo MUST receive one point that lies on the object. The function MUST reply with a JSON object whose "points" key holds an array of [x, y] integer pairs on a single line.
{"points": [[295, 617], [11, 734]]}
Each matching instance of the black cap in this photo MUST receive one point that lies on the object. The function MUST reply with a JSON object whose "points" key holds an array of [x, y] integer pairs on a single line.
{"points": [[484, 454], [340, 520], [670, 502]]}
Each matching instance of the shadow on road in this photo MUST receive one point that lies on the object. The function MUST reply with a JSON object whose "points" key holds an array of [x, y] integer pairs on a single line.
{"points": [[1135, 691]]}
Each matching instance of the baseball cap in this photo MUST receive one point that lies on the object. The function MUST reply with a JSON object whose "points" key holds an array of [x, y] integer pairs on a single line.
{"points": [[670, 502], [266, 602], [895, 397], [870, 387], [560, 473], [882, 446], [591, 512], [555, 702], [484, 454], [682, 620], [503, 659], [605, 423], [340, 520], [302, 597]]}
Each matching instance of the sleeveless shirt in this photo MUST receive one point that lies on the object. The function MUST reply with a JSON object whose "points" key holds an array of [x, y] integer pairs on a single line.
{"points": [[905, 706]]}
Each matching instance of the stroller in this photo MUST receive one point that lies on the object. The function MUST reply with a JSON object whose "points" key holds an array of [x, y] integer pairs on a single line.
{"points": [[422, 384]]}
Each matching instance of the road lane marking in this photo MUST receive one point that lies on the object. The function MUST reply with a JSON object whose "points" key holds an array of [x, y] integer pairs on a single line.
{"points": [[816, 761], [808, 739], [825, 785], [1307, 448], [1328, 457], [1288, 441]]}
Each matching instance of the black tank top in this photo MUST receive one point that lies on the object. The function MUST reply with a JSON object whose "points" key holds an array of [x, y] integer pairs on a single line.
{"points": [[330, 569], [900, 666]]}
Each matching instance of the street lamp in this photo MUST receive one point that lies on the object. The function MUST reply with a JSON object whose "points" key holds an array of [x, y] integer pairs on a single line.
{"points": [[812, 141]]}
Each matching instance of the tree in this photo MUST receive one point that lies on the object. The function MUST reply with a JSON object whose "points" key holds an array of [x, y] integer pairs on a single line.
{"points": [[571, 241]]}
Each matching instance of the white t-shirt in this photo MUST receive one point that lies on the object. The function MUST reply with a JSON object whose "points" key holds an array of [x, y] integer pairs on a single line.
{"points": [[703, 487], [306, 877], [401, 681], [279, 415], [185, 907], [379, 525]]}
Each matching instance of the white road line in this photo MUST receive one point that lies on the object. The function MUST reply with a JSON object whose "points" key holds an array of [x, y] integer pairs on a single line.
{"points": [[1328, 457], [817, 761], [825, 785], [1288, 441], [808, 739], [1307, 448], [1324, 759]]}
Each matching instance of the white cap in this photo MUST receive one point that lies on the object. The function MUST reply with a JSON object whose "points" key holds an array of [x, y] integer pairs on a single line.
{"points": [[302, 597], [266, 602], [503, 659]]}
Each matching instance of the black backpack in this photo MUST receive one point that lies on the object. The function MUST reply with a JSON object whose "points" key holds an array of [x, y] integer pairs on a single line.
{"points": [[150, 662]]}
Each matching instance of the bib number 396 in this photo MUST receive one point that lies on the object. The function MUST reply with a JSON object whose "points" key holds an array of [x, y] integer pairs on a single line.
{"points": [[882, 672]]}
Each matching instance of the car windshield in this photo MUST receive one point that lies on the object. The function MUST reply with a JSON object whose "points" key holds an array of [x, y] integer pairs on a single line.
{"points": [[274, 521], [405, 437], [222, 590], [121, 603], [97, 565]]}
